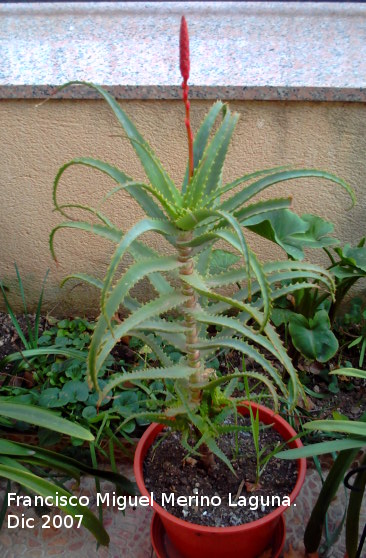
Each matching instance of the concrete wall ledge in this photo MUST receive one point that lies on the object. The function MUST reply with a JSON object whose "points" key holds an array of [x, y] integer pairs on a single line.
{"points": [[292, 51]]}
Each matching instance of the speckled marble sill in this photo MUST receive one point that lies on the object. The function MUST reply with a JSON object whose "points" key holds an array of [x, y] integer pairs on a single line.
{"points": [[239, 50]]}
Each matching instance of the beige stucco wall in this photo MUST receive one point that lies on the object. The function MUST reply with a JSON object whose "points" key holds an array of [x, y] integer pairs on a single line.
{"points": [[36, 141]]}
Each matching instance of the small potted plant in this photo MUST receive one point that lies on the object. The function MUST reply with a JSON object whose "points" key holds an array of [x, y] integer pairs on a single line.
{"points": [[193, 312]]}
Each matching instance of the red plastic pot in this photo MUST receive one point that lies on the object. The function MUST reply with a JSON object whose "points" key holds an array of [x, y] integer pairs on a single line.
{"points": [[249, 539]]}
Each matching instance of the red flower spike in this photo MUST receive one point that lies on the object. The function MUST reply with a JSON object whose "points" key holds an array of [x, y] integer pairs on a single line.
{"points": [[184, 49], [184, 70]]}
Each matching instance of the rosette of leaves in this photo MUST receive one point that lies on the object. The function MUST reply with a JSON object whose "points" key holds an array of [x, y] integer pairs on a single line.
{"points": [[193, 219]]}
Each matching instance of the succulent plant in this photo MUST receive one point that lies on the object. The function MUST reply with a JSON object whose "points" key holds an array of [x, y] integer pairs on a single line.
{"points": [[193, 219]]}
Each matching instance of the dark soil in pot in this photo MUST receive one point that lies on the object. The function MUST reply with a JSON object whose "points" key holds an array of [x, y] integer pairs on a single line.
{"points": [[167, 472]]}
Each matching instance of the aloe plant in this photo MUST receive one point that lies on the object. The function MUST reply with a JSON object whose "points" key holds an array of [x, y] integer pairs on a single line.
{"points": [[193, 219]]}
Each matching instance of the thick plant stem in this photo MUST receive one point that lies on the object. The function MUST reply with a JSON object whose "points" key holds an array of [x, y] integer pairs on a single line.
{"points": [[193, 355], [199, 374]]}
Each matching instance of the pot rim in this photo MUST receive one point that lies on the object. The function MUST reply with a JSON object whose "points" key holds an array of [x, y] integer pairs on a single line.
{"points": [[155, 428]]}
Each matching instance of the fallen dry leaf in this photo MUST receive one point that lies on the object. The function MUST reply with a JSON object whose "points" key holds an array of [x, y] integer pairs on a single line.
{"points": [[315, 368], [252, 486], [190, 461]]}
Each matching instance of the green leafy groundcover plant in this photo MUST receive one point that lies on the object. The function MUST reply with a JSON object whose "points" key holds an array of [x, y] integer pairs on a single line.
{"points": [[58, 369], [55, 363], [193, 219]]}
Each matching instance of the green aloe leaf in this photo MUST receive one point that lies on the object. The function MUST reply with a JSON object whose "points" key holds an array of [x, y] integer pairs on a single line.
{"points": [[202, 136], [138, 190], [247, 178], [198, 283], [231, 324], [222, 260], [114, 173], [137, 249], [249, 260], [238, 275], [262, 207], [191, 218], [237, 200], [94, 281], [247, 350], [116, 297], [207, 175], [142, 196], [103, 343], [113, 235], [278, 268], [212, 446], [103, 218], [255, 375], [156, 348], [146, 225], [134, 273], [152, 166], [171, 373], [178, 340], [160, 325]]}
